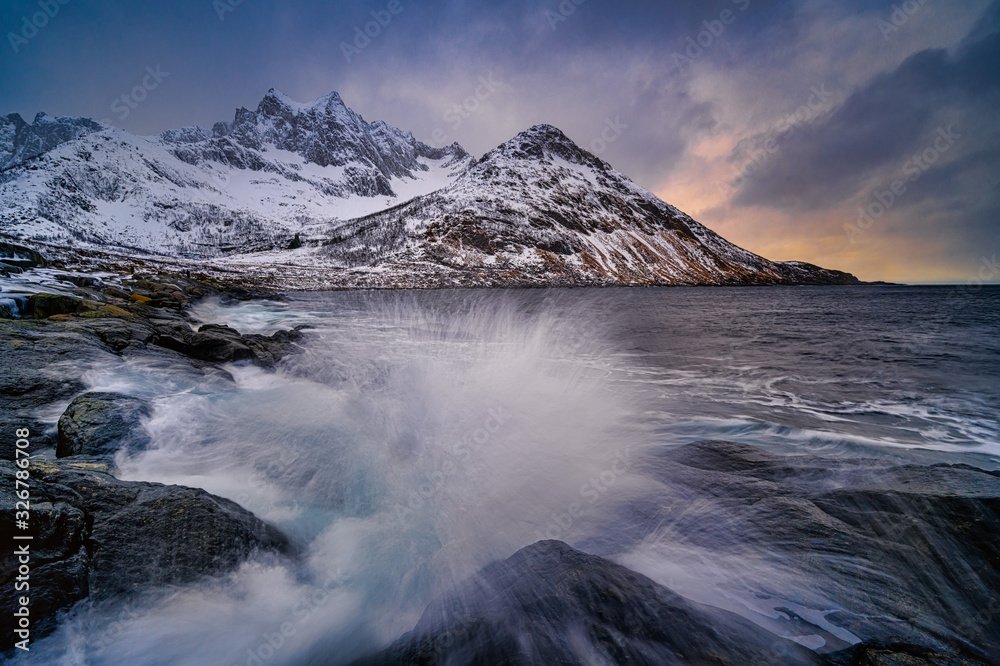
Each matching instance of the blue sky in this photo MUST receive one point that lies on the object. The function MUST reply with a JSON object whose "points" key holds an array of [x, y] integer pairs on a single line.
{"points": [[857, 135]]}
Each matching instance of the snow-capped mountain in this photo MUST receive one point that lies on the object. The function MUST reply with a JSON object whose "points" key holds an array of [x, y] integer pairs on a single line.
{"points": [[365, 198], [539, 204], [251, 184], [20, 142]]}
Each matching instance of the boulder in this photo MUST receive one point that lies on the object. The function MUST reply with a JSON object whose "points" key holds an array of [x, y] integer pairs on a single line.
{"points": [[44, 306], [910, 553], [82, 281], [551, 604], [222, 344], [214, 343], [21, 256], [101, 538], [38, 367], [6, 270], [271, 349], [100, 424]]}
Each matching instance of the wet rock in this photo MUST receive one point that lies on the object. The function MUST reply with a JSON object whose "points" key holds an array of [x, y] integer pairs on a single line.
{"points": [[910, 554], [6, 270], [21, 256], [222, 344], [218, 344], [551, 604], [868, 654], [98, 537], [121, 334], [83, 281], [271, 349], [43, 306], [48, 340], [101, 424], [39, 366], [115, 292]]}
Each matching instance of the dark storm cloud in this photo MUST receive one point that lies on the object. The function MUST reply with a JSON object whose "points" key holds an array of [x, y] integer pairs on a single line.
{"points": [[221, 54], [879, 127]]}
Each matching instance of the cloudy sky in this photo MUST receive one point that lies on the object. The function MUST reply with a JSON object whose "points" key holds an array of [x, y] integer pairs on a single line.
{"points": [[863, 136]]}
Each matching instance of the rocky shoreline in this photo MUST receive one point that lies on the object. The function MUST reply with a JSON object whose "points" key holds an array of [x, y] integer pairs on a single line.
{"points": [[906, 528], [97, 537], [249, 276]]}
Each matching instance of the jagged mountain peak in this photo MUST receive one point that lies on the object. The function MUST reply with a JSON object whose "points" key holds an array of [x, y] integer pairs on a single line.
{"points": [[327, 133], [539, 205], [20, 142], [277, 103], [542, 143], [249, 184], [537, 209], [543, 133]]}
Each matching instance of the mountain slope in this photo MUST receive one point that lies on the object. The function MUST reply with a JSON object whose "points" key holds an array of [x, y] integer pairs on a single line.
{"points": [[20, 142], [540, 205], [373, 205], [248, 185]]}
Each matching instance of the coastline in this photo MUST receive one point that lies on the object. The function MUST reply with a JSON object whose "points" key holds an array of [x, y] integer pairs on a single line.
{"points": [[145, 313]]}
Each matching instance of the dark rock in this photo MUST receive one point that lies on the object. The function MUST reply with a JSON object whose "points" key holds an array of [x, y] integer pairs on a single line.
{"points": [[551, 604], [25, 142], [100, 424], [21, 256], [222, 344], [211, 535], [43, 306], [910, 553], [98, 537], [271, 349], [218, 344], [83, 281], [7, 270], [121, 335], [36, 370], [871, 654], [117, 293]]}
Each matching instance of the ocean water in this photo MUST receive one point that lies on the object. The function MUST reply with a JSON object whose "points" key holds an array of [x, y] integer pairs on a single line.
{"points": [[420, 435]]}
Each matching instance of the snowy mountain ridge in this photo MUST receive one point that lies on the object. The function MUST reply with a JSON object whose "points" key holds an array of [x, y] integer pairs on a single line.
{"points": [[244, 185], [539, 204], [371, 204]]}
